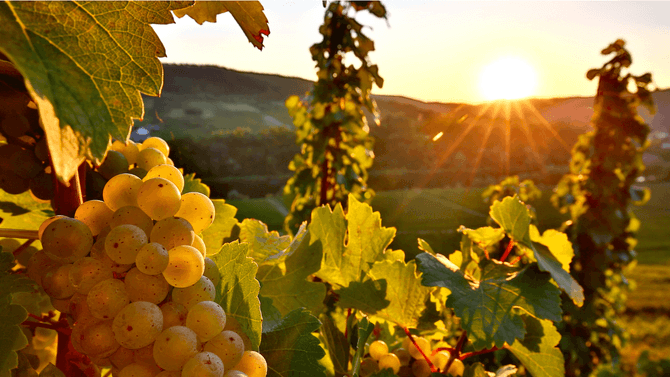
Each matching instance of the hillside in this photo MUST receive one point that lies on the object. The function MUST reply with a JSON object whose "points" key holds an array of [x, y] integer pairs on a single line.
{"points": [[238, 126]]}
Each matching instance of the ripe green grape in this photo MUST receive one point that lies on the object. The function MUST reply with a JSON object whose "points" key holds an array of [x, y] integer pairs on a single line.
{"points": [[377, 349], [158, 143], [107, 298], [143, 287], [440, 359], [46, 223], [198, 209], [457, 368], [38, 264], [203, 364], [139, 172], [87, 272], [202, 290], [174, 346], [121, 191], [199, 244], [139, 370], [124, 242], [15, 124], [78, 308], [233, 325], [403, 356], [423, 343], [95, 214], [171, 232], [144, 355], [159, 198], [114, 163], [174, 314], [389, 360], [168, 172], [138, 324], [150, 157], [97, 340], [122, 357], [253, 364], [234, 373], [67, 240], [207, 319], [62, 305], [228, 346], [420, 368], [130, 150], [41, 186], [56, 282], [186, 266], [98, 252], [133, 216], [212, 271], [152, 259]]}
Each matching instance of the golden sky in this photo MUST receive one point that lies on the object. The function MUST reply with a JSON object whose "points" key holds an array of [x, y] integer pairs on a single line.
{"points": [[439, 50]]}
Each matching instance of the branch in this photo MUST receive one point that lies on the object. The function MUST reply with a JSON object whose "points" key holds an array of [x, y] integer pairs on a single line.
{"points": [[470, 354], [20, 233], [24, 246], [457, 351], [510, 245], [411, 337]]}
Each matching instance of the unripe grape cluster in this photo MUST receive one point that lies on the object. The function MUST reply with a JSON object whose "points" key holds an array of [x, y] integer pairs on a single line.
{"points": [[132, 273], [407, 360]]}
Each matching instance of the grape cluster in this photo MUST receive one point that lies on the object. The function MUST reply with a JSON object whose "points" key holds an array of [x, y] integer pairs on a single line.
{"points": [[24, 155], [132, 273], [407, 361]]}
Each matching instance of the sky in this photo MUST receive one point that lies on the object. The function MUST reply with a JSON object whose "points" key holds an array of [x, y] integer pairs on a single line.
{"points": [[439, 50]]}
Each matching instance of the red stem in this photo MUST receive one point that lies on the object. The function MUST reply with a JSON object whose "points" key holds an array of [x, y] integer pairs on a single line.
{"points": [[457, 351], [23, 246], [411, 338], [346, 328], [510, 245], [470, 354]]}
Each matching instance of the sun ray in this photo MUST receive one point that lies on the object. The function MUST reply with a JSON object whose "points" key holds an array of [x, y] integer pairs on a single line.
{"points": [[526, 130], [508, 131], [480, 153], [548, 126]]}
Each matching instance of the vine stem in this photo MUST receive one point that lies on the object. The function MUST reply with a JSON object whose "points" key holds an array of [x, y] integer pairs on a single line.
{"points": [[20, 233], [457, 351], [510, 245], [23, 246], [470, 354], [411, 338]]}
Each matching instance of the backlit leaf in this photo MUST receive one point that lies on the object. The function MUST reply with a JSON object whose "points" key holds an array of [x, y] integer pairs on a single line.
{"points": [[85, 65], [222, 230], [538, 351]]}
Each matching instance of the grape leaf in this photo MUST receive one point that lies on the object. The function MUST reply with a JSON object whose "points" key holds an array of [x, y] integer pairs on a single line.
{"points": [[365, 328], [475, 370], [11, 316], [262, 242], [22, 211], [484, 236], [337, 344], [405, 293], [223, 227], [558, 244], [286, 283], [538, 350], [238, 293], [368, 296], [513, 216], [366, 241], [193, 184], [248, 14], [271, 315], [290, 349], [85, 65], [51, 371], [490, 308]]}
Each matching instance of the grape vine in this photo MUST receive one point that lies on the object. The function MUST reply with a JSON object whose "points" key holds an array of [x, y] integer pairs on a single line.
{"points": [[336, 149]]}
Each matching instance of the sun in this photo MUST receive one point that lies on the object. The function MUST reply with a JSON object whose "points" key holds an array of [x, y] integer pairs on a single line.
{"points": [[508, 78]]}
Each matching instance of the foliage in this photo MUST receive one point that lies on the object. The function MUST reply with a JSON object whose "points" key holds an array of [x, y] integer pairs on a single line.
{"points": [[336, 149], [511, 186], [597, 193]]}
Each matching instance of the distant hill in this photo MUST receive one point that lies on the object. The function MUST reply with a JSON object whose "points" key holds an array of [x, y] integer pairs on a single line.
{"points": [[207, 103]]}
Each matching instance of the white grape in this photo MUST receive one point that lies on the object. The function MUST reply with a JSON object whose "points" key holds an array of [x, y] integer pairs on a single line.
{"points": [[198, 209], [253, 364], [67, 240], [202, 290], [152, 259], [159, 198], [207, 319], [121, 191], [150, 157], [134, 216], [95, 214], [107, 298], [124, 242], [228, 345], [168, 172], [203, 364], [138, 324], [174, 346], [143, 287], [171, 232], [186, 266]]}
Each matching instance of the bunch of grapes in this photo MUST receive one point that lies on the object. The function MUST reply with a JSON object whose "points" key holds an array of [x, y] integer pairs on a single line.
{"points": [[133, 275], [24, 155], [407, 361]]}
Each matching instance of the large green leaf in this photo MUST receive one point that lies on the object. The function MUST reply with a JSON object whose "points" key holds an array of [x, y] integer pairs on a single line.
{"points": [[366, 241], [286, 283], [85, 65], [193, 184], [558, 244], [11, 316], [22, 211], [248, 14], [490, 308], [262, 242], [513, 216], [368, 296], [290, 349], [223, 227], [337, 344], [238, 292], [404, 292], [538, 350]]}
